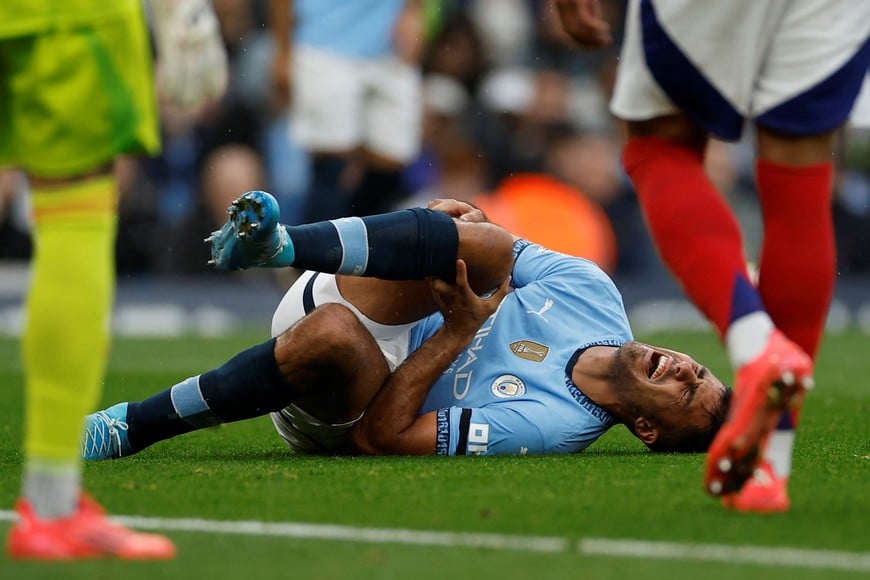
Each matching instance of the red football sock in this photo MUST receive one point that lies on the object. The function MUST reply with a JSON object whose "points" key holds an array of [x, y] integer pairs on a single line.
{"points": [[695, 231], [798, 258]]}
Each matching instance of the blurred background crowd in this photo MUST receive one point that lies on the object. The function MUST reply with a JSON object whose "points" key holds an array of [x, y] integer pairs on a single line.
{"points": [[514, 118]]}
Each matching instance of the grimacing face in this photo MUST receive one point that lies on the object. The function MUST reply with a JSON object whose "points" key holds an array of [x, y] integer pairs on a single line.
{"points": [[667, 387]]}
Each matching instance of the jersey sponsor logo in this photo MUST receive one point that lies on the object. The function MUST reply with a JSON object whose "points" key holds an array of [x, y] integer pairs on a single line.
{"points": [[529, 350], [507, 386], [442, 438], [478, 438], [547, 305]]}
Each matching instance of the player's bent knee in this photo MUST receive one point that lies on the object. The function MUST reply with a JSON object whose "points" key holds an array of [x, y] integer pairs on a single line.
{"points": [[335, 327], [488, 252]]}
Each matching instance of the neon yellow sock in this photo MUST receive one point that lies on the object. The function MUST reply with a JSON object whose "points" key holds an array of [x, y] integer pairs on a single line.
{"points": [[66, 340]]}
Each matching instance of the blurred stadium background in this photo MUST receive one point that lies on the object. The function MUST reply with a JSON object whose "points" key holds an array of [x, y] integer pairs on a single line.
{"points": [[505, 95]]}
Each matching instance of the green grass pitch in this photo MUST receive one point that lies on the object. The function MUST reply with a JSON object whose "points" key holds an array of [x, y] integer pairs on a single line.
{"points": [[613, 491]]}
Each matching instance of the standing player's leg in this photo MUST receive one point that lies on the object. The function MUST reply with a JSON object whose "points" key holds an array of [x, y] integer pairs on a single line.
{"points": [[668, 75], [392, 124], [66, 340], [800, 98], [699, 238], [797, 268], [65, 347], [326, 121]]}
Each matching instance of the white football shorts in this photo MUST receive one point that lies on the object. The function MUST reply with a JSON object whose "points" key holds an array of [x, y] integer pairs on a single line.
{"points": [[341, 103], [308, 435], [302, 432], [794, 66], [312, 289]]}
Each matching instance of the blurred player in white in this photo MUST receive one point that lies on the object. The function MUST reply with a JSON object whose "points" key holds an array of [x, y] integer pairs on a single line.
{"points": [[349, 71], [76, 91], [689, 70]]}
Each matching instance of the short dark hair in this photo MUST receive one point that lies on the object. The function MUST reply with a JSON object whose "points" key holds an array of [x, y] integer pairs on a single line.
{"points": [[689, 439]]}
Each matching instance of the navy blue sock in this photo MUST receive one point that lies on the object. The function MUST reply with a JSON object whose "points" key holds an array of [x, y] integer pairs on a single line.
{"points": [[401, 245], [248, 385]]}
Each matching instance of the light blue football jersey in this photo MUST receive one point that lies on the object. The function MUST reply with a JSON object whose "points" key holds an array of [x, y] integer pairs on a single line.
{"points": [[357, 28], [510, 392]]}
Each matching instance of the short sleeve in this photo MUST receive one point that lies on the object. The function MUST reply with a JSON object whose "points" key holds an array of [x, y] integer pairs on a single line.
{"points": [[495, 430]]}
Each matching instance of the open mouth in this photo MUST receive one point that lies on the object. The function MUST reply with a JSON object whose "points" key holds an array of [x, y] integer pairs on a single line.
{"points": [[658, 365]]}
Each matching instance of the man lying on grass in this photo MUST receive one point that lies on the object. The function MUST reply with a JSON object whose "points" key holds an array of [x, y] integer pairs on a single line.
{"points": [[436, 332]]}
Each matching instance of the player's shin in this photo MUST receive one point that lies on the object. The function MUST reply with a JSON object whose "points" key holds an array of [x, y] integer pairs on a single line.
{"points": [[248, 385], [65, 344]]}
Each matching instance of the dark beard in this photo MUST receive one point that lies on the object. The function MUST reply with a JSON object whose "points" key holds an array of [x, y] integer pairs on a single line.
{"points": [[621, 372]]}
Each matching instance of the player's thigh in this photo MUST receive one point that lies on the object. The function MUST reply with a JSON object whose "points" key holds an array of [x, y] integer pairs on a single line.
{"points": [[393, 109], [78, 97], [327, 114], [814, 67], [370, 299], [788, 149]]}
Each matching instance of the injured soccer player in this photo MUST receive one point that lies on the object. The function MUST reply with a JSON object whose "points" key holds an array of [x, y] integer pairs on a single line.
{"points": [[428, 331]]}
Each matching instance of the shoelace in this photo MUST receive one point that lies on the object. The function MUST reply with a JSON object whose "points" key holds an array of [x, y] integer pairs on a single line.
{"points": [[106, 435]]}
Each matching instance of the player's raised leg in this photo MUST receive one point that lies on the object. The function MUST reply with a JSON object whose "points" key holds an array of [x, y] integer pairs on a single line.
{"points": [[401, 245]]}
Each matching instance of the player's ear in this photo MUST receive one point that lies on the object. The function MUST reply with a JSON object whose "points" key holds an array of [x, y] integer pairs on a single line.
{"points": [[645, 431]]}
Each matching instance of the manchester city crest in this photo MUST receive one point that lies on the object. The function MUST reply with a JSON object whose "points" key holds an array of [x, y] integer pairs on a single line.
{"points": [[507, 386]]}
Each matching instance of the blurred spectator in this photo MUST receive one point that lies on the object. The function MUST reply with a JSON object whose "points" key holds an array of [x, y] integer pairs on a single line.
{"points": [[503, 94], [163, 198], [445, 106], [508, 131], [522, 108], [506, 29], [852, 190], [554, 49], [590, 164], [544, 210], [227, 172], [458, 51]]}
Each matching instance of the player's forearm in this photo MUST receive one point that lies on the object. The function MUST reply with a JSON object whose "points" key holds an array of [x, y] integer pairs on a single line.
{"points": [[387, 428]]}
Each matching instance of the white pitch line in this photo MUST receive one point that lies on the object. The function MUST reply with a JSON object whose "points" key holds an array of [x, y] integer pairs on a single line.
{"points": [[344, 533], [756, 555], [353, 534], [789, 557]]}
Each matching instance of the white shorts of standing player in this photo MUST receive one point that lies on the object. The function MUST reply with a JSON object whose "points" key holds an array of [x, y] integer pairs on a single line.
{"points": [[342, 103], [790, 65]]}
